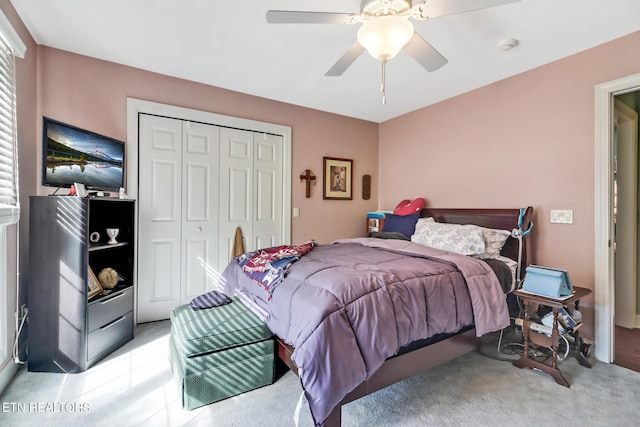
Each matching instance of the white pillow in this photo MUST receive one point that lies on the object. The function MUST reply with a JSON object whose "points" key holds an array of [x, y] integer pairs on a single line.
{"points": [[463, 239], [494, 240]]}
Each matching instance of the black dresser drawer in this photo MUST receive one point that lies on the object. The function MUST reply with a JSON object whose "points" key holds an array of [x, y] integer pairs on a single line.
{"points": [[110, 336], [110, 308]]}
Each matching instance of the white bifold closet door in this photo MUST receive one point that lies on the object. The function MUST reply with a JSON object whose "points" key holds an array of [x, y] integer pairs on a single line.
{"points": [[197, 183], [178, 213], [250, 190]]}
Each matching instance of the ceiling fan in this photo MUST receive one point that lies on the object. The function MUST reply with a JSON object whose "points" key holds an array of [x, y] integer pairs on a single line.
{"points": [[386, 29]]}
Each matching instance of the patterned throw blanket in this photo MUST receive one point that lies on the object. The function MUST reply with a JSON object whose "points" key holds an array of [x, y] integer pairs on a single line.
{"points": [[268, 266]]}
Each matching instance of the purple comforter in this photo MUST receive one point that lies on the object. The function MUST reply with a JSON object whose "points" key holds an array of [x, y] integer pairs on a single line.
{"points": [[349, 306]]}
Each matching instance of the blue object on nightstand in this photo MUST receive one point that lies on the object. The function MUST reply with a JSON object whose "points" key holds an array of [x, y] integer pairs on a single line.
{"points": [[375, 214], [547, 281]]}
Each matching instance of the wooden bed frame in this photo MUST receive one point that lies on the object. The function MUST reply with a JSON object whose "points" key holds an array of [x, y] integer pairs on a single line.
{"points": [[398, 368]]}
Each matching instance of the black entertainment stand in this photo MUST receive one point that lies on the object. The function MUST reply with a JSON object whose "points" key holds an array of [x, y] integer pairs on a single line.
{"points": [[67, 330]]}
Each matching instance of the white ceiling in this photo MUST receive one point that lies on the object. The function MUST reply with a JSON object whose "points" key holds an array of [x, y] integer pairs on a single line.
{"points": [[228, 44]]}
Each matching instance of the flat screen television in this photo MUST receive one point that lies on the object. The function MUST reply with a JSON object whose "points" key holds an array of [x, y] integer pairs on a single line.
{"points": [[71, 154]]}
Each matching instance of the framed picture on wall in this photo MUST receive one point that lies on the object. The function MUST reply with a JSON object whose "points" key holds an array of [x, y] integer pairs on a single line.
{"points": [[337, 179]]}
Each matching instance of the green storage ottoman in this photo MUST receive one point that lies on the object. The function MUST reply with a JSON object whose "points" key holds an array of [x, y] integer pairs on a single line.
{"points": [[219, 352]]}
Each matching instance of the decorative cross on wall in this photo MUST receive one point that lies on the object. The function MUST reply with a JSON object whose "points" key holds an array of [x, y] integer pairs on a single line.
{"points": [[308, 176]]}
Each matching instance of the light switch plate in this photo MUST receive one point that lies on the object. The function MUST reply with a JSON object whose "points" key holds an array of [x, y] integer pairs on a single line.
{"points": [[562, 216]]}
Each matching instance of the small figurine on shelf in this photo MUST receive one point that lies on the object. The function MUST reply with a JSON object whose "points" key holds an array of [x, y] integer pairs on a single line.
{"points": [[108, 278], [112, 233]]}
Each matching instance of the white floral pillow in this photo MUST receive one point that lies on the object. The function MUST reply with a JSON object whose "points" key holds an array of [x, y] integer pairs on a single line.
{"points": [[427, 219], [463, 239], [494, 240]]}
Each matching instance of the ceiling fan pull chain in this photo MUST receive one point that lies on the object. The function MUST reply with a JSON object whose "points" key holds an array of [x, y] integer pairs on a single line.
{"points": [[383, 89]]}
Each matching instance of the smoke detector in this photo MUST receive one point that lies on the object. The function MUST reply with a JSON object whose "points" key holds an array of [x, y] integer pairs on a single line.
{"points": [[507, 44]]}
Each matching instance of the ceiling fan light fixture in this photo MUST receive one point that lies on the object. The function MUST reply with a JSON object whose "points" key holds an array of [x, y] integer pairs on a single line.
{"points": [[384, 36]]}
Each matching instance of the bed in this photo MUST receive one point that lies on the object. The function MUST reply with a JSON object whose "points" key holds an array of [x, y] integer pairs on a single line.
{"points": [[361, 314]]}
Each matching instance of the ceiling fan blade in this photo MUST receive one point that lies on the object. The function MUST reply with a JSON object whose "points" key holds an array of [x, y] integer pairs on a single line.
{"points": [[436, 8], [345, 60], [295, 17], [424, 53]]}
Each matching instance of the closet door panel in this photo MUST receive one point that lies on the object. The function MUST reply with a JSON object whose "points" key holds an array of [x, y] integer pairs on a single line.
{"points": [[159, 216], [239, 195], [163, 222], [163, 269], [267, 220], [164, 192], [236, 190], [264, 212], [197, 271], [200, 190]]}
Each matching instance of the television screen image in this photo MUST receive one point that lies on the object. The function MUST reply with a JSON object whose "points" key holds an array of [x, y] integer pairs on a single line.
{"points": [[71, 154]]}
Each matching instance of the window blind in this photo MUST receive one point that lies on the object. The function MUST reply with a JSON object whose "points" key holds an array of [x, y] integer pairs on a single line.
{"points": [[9, 203]]}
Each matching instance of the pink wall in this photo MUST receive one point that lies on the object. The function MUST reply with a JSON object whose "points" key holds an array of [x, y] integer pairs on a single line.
{"points": [[526, 140], [91, 94]]}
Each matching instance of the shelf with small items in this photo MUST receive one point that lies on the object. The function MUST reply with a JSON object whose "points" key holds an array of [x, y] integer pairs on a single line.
{"points": [[375, 221], [98, 317], [102, 246], [107, 292], [538, 334], [541, 331]]}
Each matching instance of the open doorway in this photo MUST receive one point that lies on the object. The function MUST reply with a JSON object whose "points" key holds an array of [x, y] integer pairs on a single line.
{"points": [[607, 211], [625, 219]]}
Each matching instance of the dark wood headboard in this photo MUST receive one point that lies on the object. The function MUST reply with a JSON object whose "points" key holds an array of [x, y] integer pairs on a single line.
{"points": [[502, 219]]}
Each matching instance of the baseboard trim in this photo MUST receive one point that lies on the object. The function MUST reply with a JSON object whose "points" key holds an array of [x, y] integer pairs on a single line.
{"points": [[6, 374]]}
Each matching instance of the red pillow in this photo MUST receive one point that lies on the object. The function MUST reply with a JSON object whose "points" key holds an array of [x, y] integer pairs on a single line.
{"points": [[407, 207]]}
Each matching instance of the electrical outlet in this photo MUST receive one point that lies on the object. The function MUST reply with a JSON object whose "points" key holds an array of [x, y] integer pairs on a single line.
{"points": [[562, 216]]}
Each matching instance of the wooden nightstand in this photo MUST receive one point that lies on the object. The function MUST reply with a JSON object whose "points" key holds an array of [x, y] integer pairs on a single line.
{"points": [[374, 224], [550, 367]]}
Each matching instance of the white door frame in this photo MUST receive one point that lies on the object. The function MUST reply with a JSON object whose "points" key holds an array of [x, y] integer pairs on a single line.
{"points": [[626, 221], [139, 106], [604, 257]]}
